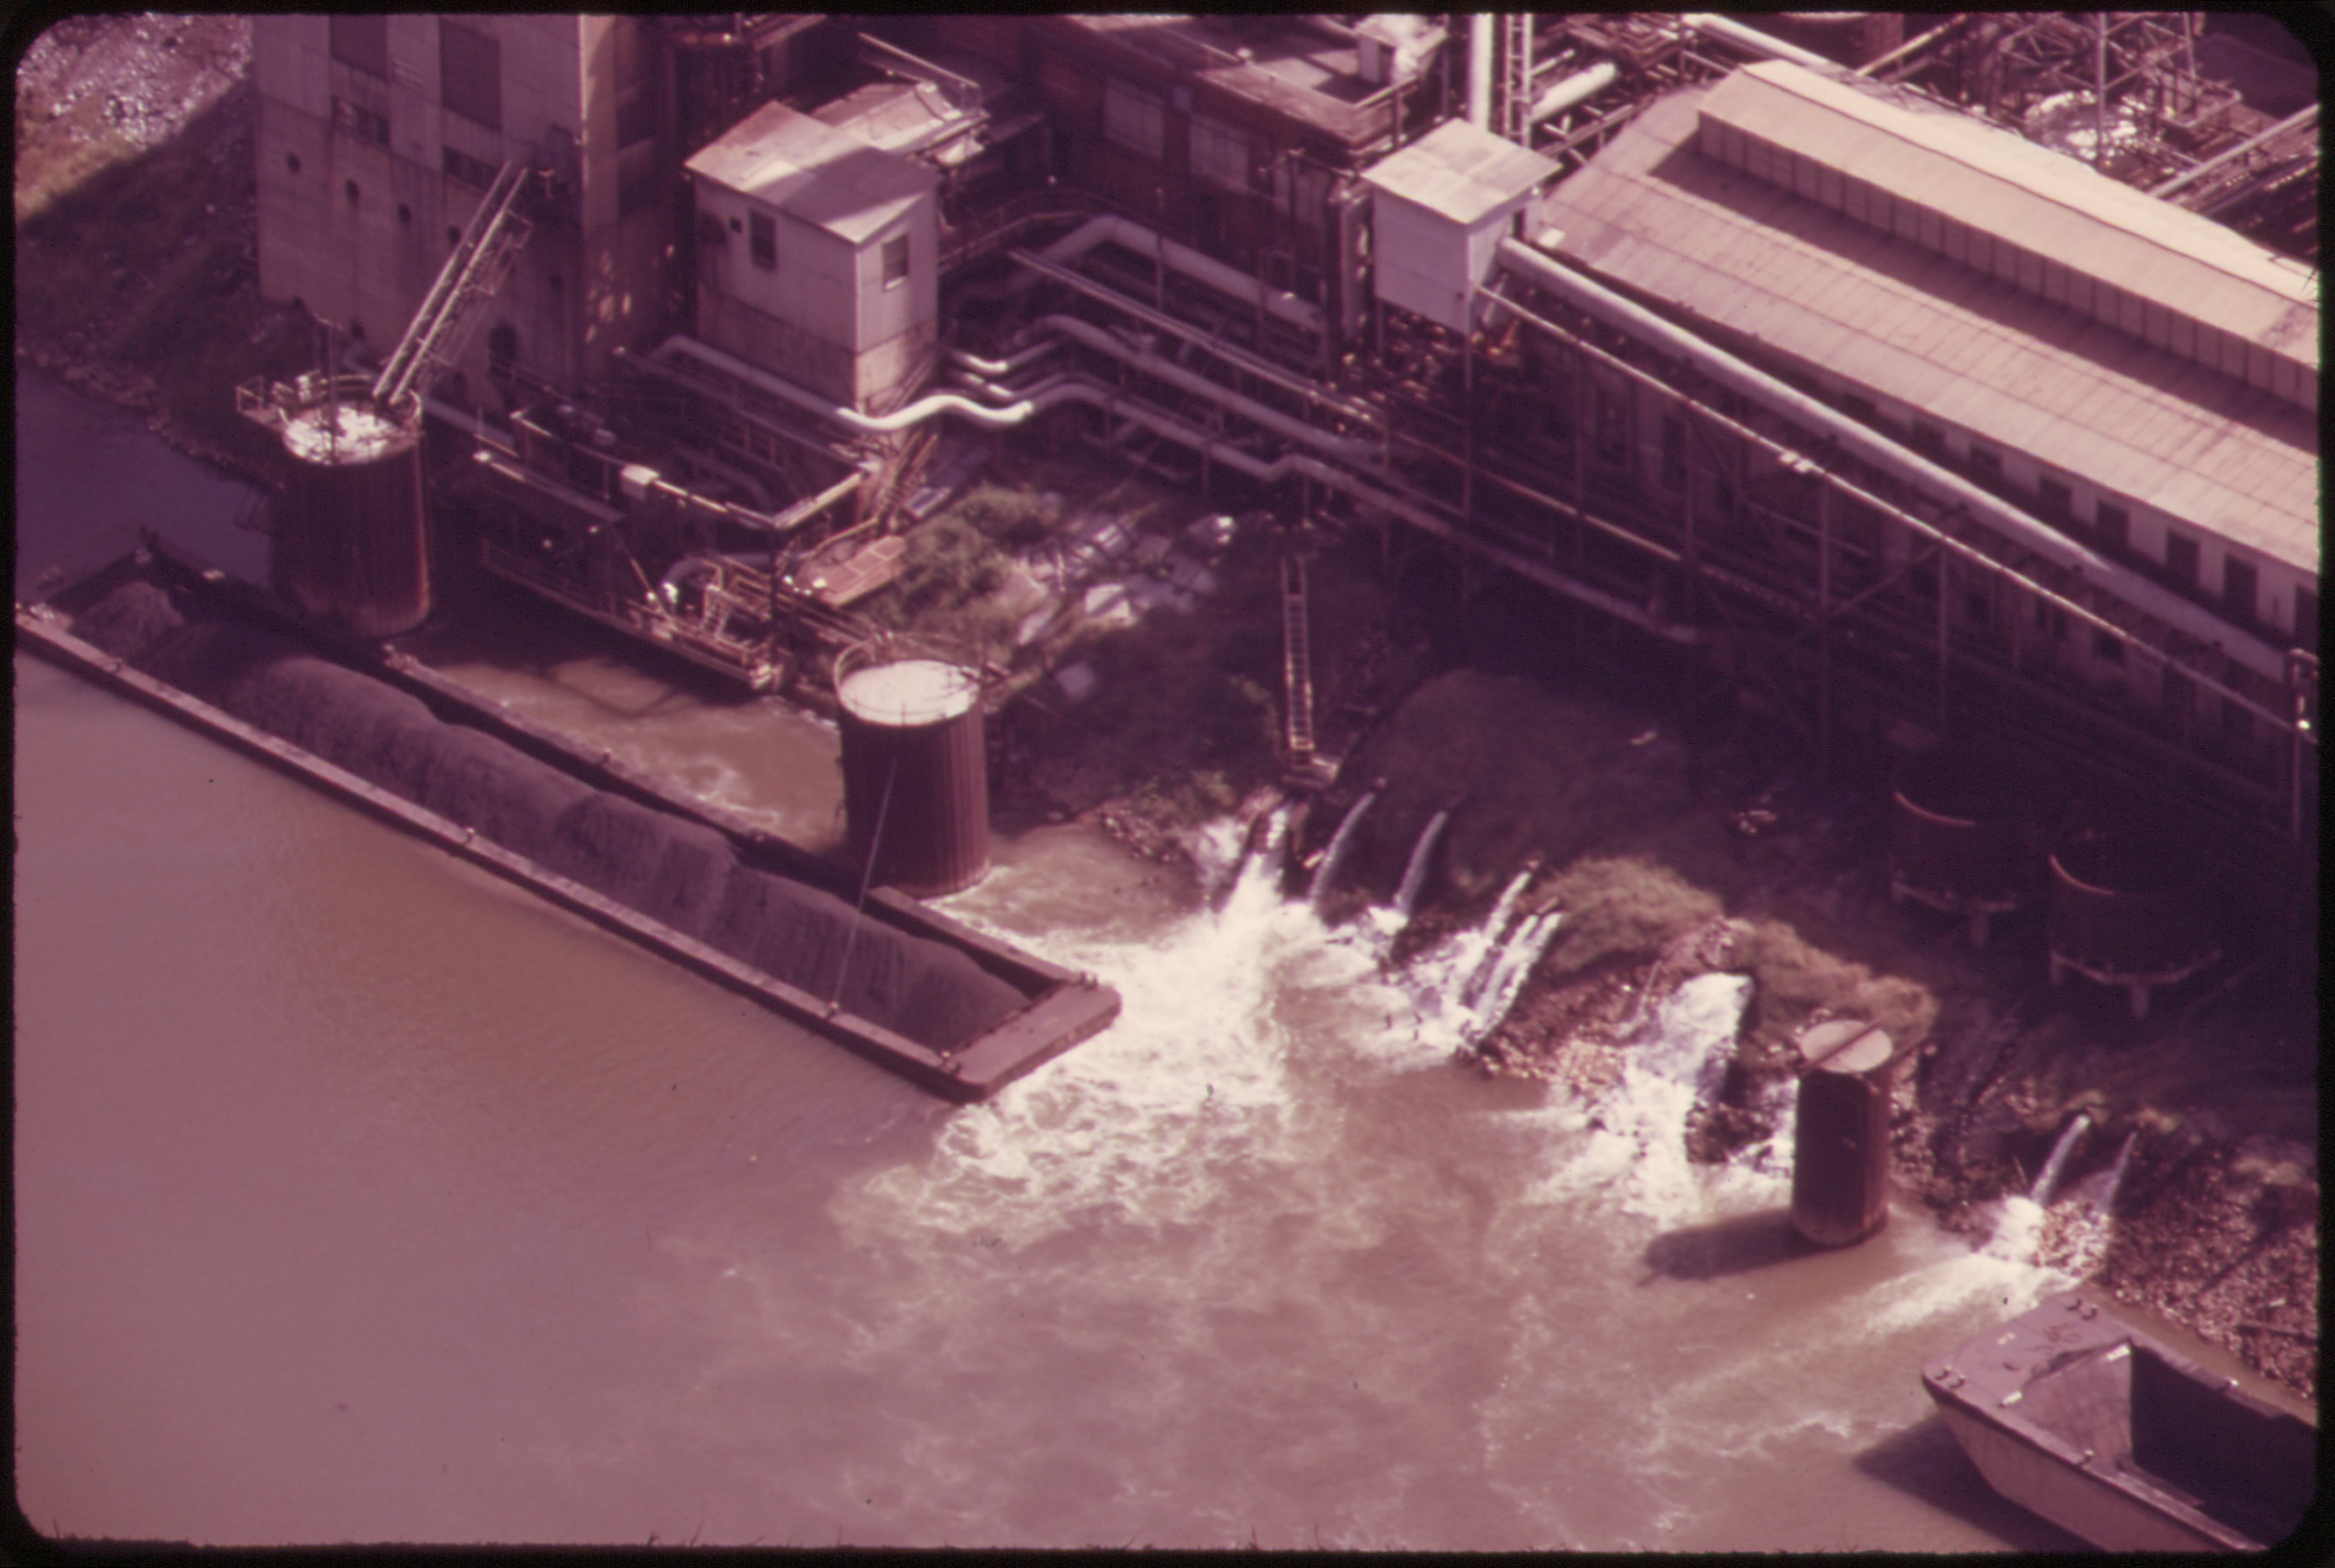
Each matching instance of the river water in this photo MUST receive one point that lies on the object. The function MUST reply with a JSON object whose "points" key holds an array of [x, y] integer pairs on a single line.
{"points": [[362, 1196]]}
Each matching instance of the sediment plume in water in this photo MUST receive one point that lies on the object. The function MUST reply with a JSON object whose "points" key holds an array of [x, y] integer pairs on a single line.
{"points": [[681, 874]]}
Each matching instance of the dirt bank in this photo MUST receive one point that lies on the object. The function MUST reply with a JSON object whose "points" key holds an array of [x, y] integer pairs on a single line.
{"points": [[1738, 860], [136, 247]]}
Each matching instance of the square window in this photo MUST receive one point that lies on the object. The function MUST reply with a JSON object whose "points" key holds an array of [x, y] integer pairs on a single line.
{"points": [[2054, 499], [2240, 587], [1134, 118], [2115, 525], [361, 41], [469, 68], [762, 239], [1220, 153], [2180, 556], [895, 260]]}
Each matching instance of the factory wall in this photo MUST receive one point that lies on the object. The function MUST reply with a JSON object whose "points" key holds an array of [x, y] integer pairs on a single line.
{"points": [[363, 174]]}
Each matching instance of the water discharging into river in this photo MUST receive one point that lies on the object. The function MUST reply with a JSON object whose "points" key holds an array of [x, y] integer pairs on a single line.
{"points": [[361, 1196]]}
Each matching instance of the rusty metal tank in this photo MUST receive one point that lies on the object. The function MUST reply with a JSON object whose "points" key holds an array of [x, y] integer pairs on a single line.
{"points": [[2131, 900], [352, 527], [1840, 1134], [916, 770], [1964, 833]]}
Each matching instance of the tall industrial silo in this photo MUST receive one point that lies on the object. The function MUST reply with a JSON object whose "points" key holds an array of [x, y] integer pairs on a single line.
{"points": [[351, 529], [916, 770]]}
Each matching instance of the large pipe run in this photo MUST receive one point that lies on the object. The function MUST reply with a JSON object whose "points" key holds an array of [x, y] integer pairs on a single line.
{"points": [[1893, 459], [1227, 280], [1753, 41]]}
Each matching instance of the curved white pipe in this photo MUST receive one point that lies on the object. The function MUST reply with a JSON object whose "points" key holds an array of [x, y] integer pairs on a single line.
{"points": [[1006, 366], [1892, 457], [1227, 280]]}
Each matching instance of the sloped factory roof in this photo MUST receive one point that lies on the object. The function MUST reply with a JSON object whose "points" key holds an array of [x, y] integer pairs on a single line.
{"points": [[813, 172], [1802, 279], [1460, 172]]}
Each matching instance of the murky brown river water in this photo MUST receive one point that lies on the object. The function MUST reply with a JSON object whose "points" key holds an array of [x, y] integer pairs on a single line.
{"points": [[362, 1196]]}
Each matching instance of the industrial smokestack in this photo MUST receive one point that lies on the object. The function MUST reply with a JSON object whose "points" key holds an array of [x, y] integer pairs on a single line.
{"points": [[1479, 69]]}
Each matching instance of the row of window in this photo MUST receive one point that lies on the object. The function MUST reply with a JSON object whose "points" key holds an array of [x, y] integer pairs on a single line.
{"points": [[2055, 501], [469, 64]]}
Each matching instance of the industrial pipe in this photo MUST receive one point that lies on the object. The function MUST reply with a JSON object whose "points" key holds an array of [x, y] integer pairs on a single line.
{"points": [[1752, 41], [1224, 279], [2294, 121], [1577, 88], [1894, 458], [1176, 375], [1479, 69]]}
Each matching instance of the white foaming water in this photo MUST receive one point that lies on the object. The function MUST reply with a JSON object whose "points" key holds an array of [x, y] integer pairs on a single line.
{"points": [[1340, 842], [1414, 876]]}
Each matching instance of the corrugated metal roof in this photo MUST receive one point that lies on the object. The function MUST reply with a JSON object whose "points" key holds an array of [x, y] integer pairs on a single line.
{"points": [[2018, 372], [2040, 200], [1460, 172], [811, 171]]}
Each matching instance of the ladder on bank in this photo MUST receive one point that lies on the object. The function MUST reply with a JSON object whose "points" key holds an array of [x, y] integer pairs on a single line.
{"points": [[1297, 666]]}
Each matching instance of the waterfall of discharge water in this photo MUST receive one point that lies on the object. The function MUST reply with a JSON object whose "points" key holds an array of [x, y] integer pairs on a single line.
{"points": [[1477, 951], [2104, 1204], [1414, 876], [1335, 854], [2047, 1180]]}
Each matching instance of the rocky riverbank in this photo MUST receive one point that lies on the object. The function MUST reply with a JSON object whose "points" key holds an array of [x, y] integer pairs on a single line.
{"points": [[1738, 860], [136, 267]]}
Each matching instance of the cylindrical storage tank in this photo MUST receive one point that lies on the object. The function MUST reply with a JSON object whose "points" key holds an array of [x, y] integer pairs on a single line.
{"points": [[915, 770], [351, 528], [2130, 901], [1959, 831], [1840, 1138]]}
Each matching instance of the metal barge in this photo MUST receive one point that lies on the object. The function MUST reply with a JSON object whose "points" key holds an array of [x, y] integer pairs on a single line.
{"points": [[2088, 1421], [1063, 1006]]}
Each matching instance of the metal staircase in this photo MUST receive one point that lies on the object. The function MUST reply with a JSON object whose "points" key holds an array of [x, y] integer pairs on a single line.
{"points": [[477, 267]]}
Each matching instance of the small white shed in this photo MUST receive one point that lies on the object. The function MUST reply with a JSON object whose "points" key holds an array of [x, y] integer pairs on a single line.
{"points": [[1438, 210], [817, 255]]}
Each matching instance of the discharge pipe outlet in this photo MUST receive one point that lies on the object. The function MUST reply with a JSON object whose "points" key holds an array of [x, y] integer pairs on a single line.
{"points": [[1225, 280], [1890, 456]]}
